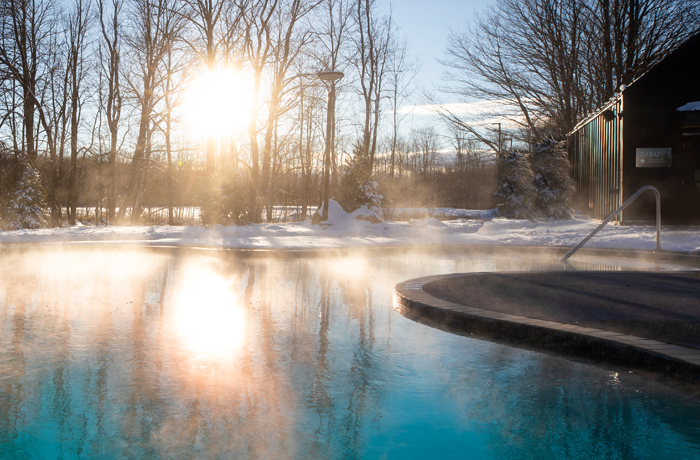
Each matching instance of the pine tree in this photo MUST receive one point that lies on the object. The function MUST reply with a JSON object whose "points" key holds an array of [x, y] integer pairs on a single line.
{"points": [[225, 201], [211, 205], [357, 187], [371, 198], [27, 203], [515, 193], [234, 207], [553, 182]]}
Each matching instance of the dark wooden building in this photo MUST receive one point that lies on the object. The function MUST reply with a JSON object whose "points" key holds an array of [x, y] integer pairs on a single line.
{"points": [[649, 134]]}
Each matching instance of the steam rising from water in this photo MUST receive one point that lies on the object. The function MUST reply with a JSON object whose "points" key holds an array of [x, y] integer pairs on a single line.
{"points": [[128, 354]]}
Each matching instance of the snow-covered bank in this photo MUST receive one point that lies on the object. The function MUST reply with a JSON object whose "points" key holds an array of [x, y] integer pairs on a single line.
{"points": [[345, 232]]}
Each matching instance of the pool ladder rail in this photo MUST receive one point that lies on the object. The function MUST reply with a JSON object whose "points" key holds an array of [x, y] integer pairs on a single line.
{"points": [[618, 211]]}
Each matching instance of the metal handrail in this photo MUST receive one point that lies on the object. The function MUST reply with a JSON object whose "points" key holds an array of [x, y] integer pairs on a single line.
{"points": [[618, 211]]}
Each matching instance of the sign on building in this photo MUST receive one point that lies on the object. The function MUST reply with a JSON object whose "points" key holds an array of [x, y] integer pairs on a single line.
{"points": [[653, 158]]}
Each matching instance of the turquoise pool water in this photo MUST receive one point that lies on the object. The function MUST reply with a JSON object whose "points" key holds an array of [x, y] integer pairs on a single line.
{"points": [[124, 354]]}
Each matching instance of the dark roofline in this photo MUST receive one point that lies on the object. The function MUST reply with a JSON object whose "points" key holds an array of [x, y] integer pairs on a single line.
{"points": [[694, 40], [593, 115]]}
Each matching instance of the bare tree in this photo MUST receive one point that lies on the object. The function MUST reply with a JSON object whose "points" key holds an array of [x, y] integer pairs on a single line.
{"points": [[215, 23], [24, 30], [149, 44], [503, 58], [545, 64], [426, 143], [27, 44], [111, 35], [310, 107], [272, 42], [372, 39], [172, 78], [78, 28], [332, 26], [401, 72], [257, 48], [289, 42], [627, 37]]}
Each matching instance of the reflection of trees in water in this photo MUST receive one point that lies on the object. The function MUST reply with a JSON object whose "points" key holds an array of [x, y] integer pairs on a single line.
{"points": [[91, 364], [528, 405], [363, 401], [336, 395], [13, 366]]}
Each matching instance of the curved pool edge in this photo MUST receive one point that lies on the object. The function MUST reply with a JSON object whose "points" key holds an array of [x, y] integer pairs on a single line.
{"points": [[412, 301]]}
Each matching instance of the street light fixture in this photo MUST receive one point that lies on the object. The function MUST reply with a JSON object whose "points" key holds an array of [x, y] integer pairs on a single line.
{"points": [[331, 77]]}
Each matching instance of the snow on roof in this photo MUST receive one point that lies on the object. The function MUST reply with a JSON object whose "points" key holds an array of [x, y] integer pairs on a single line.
{"points": [[689, 107], [593, 115]]}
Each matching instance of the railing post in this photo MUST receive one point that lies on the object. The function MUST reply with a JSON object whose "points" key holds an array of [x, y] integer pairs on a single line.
{"points": [[658, 219]]}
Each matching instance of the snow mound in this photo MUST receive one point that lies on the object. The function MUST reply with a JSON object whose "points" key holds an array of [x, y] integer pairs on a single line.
{"points": [[338, 218], [362, 222], [366, 214], [500, 226], [77, 224], [428, 222], [336, 214]]}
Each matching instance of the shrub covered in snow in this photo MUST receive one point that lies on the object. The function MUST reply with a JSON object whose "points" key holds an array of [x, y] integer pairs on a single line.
{"points": [[515, 194], [370, 197], [553, 181], [357, 189], [27, 202]]}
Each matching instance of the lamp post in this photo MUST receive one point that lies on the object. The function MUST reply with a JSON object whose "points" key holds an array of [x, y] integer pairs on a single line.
{"points": [[330, 77]]}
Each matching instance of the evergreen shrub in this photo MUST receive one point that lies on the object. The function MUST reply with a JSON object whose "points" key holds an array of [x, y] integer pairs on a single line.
{"points": [[515, 194], [553, 182], [26, 202]]}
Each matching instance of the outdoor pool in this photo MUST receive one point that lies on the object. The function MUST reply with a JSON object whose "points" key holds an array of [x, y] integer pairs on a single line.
{"points": [[129, 354]]}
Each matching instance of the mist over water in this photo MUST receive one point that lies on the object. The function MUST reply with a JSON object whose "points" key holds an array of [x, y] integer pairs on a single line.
{"points": [[127, 354]]}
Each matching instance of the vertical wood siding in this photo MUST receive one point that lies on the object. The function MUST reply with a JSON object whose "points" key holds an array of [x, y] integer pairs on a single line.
{"points": [[595, 152]]}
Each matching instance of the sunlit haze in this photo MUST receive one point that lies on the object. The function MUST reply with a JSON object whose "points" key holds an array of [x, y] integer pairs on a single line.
{"points": [[217, 102], [208, 315]]}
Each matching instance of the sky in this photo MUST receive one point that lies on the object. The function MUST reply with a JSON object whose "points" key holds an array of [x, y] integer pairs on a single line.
{"points": [[427, 24]]}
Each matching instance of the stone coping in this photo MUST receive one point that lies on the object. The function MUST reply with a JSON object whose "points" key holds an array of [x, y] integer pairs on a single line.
{"points": [[412, 301]]}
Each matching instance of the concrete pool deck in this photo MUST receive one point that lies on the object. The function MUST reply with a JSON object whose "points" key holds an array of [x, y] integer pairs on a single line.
{"points": [[647, 319]]}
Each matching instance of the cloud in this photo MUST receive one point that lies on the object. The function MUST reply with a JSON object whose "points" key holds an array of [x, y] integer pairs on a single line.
{"points": [[479, 113], [475, 108]]}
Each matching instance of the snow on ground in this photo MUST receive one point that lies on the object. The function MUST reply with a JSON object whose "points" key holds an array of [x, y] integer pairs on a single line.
{"points": [[344, 231]]}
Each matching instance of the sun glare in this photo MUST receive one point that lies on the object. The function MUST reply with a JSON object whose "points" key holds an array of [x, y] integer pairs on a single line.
{"points": [[350, 268], [218, 103], [209, 316]]}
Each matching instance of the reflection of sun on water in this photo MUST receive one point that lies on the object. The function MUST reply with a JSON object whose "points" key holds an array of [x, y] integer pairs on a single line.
{"points": [[209, 316], [218, 102], [349, 268]]}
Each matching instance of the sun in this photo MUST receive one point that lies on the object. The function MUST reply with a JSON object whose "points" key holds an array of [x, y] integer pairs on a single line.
{"points": [[217, 102]]}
